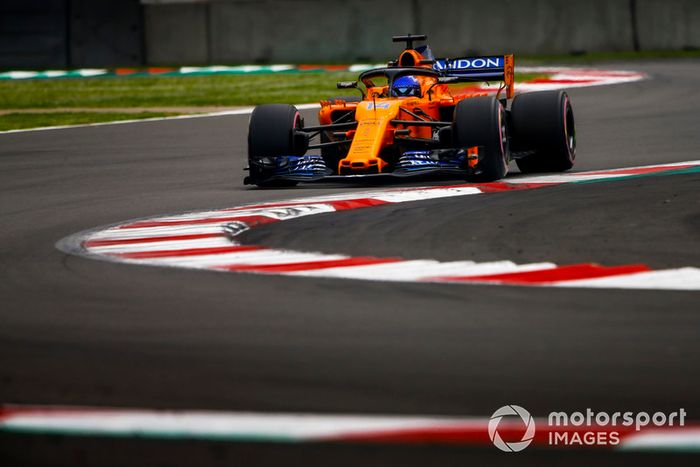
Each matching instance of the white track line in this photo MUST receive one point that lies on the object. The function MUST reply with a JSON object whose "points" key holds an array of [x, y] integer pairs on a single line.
{"points": [[223, 113], [420, 270], [670, 279], [681, 440], [229, 425], [165, 245], [127, 234]]}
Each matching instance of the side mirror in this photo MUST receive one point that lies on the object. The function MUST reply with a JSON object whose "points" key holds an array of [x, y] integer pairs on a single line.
{"points": [[447, 79], [346, 84], [426, 61]]}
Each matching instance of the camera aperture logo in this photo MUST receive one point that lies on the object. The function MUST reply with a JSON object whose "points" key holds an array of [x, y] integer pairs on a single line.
{"points": [[585, 428], [512, 446]]}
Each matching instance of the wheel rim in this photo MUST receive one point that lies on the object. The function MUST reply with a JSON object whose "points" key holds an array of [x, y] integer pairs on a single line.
{"points": [[503, 130], [570, 129], [295, 125]]}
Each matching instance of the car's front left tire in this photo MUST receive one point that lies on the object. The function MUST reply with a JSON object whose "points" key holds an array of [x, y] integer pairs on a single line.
{"points": [[271, 133]]}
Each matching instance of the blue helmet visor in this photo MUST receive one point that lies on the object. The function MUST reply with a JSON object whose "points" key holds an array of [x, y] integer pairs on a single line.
{"points": [[405, 91], [406, 86]]}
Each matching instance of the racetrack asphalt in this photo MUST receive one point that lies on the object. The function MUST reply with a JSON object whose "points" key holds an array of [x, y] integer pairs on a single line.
{"points": [[75, 331]]}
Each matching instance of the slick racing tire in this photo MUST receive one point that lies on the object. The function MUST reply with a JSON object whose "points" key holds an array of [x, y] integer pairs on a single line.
{"points": [[271, 134], [481, 121], [332, 154], [543, 132]]}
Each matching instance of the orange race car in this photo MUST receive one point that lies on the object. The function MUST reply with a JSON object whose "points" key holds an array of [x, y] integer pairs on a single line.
{"points": [[409, 122]]}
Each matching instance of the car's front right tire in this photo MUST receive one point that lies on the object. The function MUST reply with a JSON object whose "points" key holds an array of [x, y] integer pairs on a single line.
{"points": [[481, 121]]}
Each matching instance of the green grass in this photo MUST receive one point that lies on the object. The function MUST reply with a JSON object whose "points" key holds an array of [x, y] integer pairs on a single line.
{"points": [[170, 91], [176, 91], [149, 92], [21, 120]]}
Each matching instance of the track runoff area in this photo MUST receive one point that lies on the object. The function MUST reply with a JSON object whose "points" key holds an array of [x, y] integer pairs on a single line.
{"points": [[208, 240]]}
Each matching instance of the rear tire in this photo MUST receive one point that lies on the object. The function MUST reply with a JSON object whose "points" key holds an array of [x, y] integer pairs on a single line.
{"points": [[542, 126], [481, 121], [271, 134], [332, 154]]}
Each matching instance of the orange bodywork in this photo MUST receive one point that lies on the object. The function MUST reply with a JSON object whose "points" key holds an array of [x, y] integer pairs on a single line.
{"points": [[376, 111]]}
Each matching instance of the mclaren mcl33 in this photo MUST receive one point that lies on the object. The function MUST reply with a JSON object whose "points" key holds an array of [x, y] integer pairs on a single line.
{"points": [[410, 121]]}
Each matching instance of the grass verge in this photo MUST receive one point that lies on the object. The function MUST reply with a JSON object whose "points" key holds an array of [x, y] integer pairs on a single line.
{"points": [[158, 92], [189, 91]]}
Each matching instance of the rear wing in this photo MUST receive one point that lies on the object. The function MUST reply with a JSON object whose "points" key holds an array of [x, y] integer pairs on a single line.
{"points": [[479, 69]]}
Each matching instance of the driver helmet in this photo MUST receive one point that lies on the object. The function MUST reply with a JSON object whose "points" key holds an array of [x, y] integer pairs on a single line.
{"points": [[406, 86]]}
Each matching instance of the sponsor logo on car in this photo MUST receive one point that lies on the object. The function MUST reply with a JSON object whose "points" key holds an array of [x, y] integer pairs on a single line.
{"points": [[378, 105], [469, 63]]}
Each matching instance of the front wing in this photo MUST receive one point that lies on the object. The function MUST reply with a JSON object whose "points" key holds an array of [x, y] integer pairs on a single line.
{"points": [[444, 163]]}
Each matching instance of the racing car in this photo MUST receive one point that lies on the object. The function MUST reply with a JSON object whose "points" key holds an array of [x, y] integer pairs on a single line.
{"points": [[407, 120]]}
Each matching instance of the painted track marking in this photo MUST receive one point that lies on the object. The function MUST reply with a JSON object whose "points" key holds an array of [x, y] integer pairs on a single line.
{"points": [[315, 428], [207, 240]]}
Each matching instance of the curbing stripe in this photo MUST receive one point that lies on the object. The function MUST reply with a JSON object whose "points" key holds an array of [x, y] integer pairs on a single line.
{"points": [[417, 271], [206, 240], [186, 252], [220, 261], [311, 265], [313, 428], [670, 279], [550, 275], [119, 242]]}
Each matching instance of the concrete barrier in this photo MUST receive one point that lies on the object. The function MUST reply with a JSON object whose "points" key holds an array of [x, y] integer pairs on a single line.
{"points": [[177, 33], [668, 24], [267, 31], [33, 33], [307, 30], [46, 34], [105, 33], [526, 26]]}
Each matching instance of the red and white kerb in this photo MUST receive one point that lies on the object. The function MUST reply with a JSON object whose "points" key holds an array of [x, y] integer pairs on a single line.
{"points": [[207, 240]]}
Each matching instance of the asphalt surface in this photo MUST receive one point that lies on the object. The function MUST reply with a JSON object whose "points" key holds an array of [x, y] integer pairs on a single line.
{"points": [[75, 331]]}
